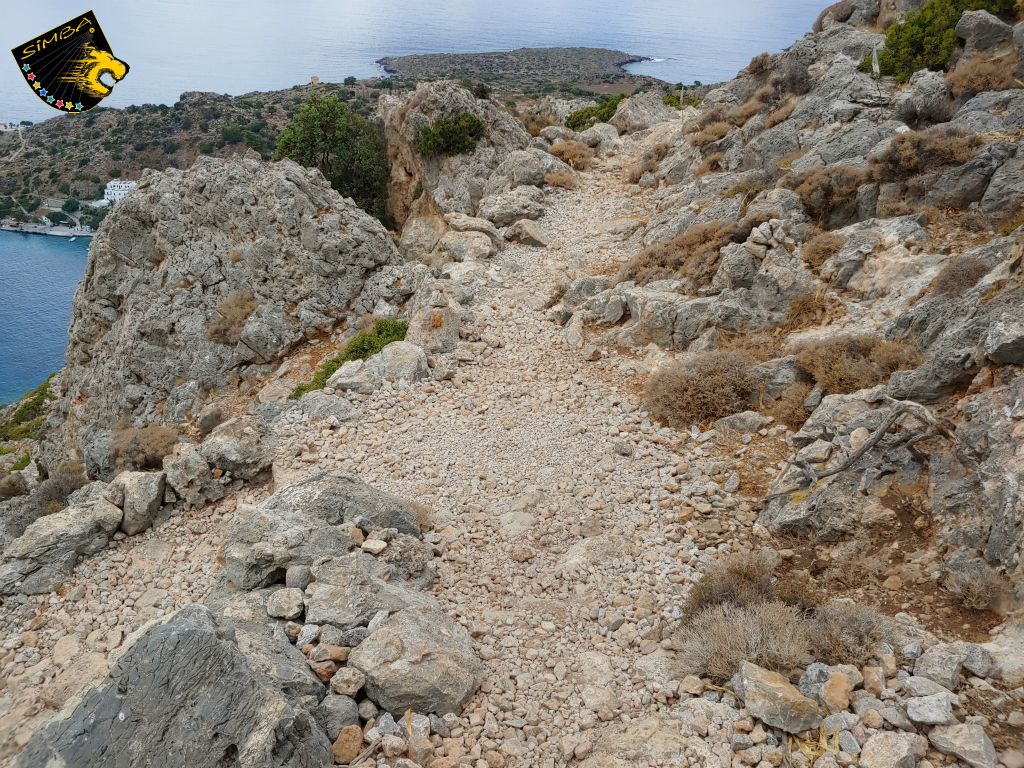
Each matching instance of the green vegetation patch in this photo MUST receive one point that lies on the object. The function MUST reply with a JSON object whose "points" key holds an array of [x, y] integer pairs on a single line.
{"points": [[584, 118], [21, 463], [456, 135], [28, 417], [926, 38], [361, 346]]}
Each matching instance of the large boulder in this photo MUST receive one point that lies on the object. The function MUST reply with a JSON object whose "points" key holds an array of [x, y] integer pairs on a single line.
{"points": [[143, 494], [642, 111], [504, 208], [398, 361], [771, 698], [239, 446], [197, 277], [42, 558], [183, 694], [433, 186], [418, 659], [981, 31]]}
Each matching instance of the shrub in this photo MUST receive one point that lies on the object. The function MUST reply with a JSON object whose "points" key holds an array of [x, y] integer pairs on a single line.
{"points": [[981, 590], [232, 312], [820, 248], [455, 135], [983, 72], [22, 462], [51, 495], [673, 99], [699, 391], [142, 447], [711, 133], [648, 161], [927, 38], [844, 632], [27, 418], [348, 150], [231, 133], [959, 275], [71, 205], [587, 117], [738, 580], [760, 63], [361, 346], [830, 194], [11, 486], [716, 641], [574, 153], [562, 179], [780, 114], [805, 310], [844, 364], [792, 77], [915, 152], [693, 254], [710, 164]]}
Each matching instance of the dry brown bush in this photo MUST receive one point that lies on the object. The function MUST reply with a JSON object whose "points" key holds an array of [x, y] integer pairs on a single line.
{"points": [[760, 346], [830, 194], [789, 408], [752, 106], [710, 164], [981, 590], [844, 632], [12, 485], [232, 312], [574, 153], [51, 495], [805, 310], [915, 152], [143, 447], [716, 641], [983, 72], [648, 161], [960, 274], [760, 63], [740, 579], [562, 179], [699, 391], [692, 254], [711, 134], [820, 248], [844, 364], [780, 114], [535, 123]]}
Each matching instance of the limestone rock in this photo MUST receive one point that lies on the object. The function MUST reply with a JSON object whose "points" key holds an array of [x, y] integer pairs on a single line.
{"points": [[238, 446], [893, 750], [936, 709], [336, 712], [772, 699], [528, 233], [967, 741], [44, 555], [162, 699], [508, 207], [285, 603], [398, 361], [418, 659], [271, 246], [642, 111], [942, 664], [143, 494]]}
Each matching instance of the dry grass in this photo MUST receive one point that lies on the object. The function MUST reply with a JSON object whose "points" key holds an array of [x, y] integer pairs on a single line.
{"points": [[805, 311], [959, 275], [780, 114], [983, 72], [760, 346], [789, 408], [981, 590], [820, 248], [142, 447], [830, 194], [716, 641], [738, 580], [648, 161], [844, 632], [226, 327], [915, 152], [710, 134], [760, 63], [1012, 223], [699, 391], [11, 486], [752, 106], [710, 164], [562, 179], [51, 495], [574, 153], [693, 254], [844, 364]]}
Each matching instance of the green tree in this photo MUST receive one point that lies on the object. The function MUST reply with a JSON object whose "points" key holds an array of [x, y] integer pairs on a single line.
{"points": [[71, 205], [348, 150]]}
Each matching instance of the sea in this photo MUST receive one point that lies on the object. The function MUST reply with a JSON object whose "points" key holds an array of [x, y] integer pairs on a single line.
{"points": [[238, 46]]}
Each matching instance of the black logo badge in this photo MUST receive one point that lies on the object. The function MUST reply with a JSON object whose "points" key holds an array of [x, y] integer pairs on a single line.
{"points": [[71, 67]]}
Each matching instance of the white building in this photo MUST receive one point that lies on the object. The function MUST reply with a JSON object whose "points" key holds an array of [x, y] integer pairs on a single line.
{"points": [[117, 189]]}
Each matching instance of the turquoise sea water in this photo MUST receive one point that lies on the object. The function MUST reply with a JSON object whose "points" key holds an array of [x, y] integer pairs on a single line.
{"points": [[38, 277]]}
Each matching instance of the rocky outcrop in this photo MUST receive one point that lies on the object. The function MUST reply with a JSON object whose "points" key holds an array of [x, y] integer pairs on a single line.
{"points": [[642, 111], [200, 280]]}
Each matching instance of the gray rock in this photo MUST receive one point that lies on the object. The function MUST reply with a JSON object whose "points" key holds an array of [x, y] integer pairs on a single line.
{"points": [[744, 422], [922, 686], [936, 709], [190, 477], [893, 750], [528, 233], [182, 695], [398, 361], [238, 446], [981, 31], [942, 664], [1004, 342], [460, 222], [336, 711], [642, 111], [959, 187], [507, 207], [349, 591], [298, 576], [42, 558], [419, 659], [143, 494], [524, 167], [465, 246], [1006, 189], [198, 240], [967, 741], [771, 698], [285, 603], [603, 137]]}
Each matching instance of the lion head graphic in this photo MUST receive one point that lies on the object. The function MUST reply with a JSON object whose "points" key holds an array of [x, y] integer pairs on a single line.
{"points": [[85, 72]]}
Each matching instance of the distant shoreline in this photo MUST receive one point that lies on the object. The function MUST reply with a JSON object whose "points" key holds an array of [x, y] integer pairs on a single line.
{"points": [[65, 232]]}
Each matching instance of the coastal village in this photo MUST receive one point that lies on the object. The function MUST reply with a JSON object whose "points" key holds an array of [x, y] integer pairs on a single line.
{"points": [[40, 222]]}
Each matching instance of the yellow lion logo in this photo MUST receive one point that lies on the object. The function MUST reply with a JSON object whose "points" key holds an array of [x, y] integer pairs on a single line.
{"points": [[85, 73]]}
